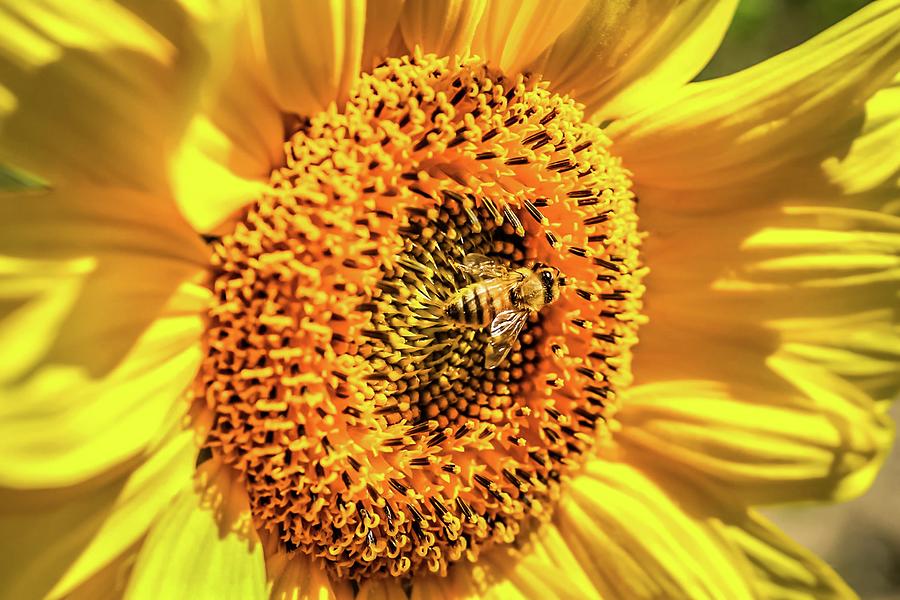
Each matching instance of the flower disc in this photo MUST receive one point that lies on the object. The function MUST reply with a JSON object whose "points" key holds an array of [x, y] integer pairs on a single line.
{"points": [[364, 425]]}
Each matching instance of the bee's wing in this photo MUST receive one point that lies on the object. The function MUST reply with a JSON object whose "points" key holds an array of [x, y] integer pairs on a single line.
{"points": [[482, 267], [505, 329]]}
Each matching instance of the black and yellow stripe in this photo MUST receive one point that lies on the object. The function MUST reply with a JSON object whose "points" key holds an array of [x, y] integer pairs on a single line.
{"points": [[475, 305]]}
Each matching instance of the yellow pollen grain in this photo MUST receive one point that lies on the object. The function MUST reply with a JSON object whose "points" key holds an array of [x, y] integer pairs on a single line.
{"points": [[364, 426]]}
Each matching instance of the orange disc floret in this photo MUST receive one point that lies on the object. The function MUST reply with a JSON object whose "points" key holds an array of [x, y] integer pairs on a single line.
{"points": [[366, 428]]}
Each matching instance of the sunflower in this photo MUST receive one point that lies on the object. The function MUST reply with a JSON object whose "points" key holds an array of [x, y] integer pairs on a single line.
{"points": [[246, 354]]}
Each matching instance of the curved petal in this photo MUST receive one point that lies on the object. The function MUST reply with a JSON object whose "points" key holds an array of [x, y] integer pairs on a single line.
{"points": [[513, 33], [620, 57], [780, 276], [781, 567], [818, 280], [536, 567], [872, 159], [634, 541], [381, 589], [57, 540], [109, 582], [229, 151], [763, 451], [795, 310], [523, 573], [203, 545], [294, 576], [773, 566], [213, 175], [382, 25], [444, 27], [310, 52], [127, 78], [455, 586], [792, 106], [100, 329]]}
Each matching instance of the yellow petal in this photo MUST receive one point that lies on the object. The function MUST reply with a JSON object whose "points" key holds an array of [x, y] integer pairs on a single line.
{"points": [[872, 159], [790, 107], [456, 586], [558, 551], [229, 151], [444, 27], [100, 91], [537, 566], [382, 25], [108, 583], [203, 545], [635, 541], [55, 541], [620, 57], [381, 589], [294, 576], [62, 425], [99, 329], [522, 573], [809, 280], [790, 280], [794, 309], [781, 567], [309, 51], [764, 450], [772, 565], [213, 177], [513, 33]]}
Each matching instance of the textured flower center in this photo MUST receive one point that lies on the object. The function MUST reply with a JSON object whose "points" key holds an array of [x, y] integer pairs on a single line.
{"points": [[365, 425]]}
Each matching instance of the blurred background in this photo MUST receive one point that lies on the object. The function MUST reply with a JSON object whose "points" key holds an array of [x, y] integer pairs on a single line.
{"points": [[860, 539]]}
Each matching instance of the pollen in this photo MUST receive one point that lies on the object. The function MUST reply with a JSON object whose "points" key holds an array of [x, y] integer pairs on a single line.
{"points": [[363, 425]]}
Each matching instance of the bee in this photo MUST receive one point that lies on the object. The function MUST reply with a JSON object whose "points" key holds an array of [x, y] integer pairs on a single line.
{"points": [[502, 299]]}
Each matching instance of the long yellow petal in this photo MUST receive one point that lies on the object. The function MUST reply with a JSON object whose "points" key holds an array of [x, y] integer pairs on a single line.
{"points": [[635, 541], [798, 105], [100, 331], [203, 546], [230, 149], [309, 52], [382, 28], [781, 567], [512, 33], [108, 582], [764, 450], [793, 308], [57, 540], [297, 577], [771, 564], [381, 589], [774, 257], [872, 160], [816, 282], [540, 565], [214, 175], [444, 27], [99, 91], [620, 57]]}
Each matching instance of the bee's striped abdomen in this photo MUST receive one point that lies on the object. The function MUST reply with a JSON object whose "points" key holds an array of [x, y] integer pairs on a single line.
{"points": [[473, 305]]}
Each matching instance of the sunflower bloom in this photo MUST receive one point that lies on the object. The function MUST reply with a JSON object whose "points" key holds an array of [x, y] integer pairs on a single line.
{"points": [[247, 353]]}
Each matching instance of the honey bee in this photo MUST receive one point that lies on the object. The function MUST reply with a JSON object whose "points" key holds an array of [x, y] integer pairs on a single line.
{"points": [[502, 299]]}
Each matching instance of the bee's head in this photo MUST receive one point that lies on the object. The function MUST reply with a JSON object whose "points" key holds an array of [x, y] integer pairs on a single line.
{"points": [[550, 279]]}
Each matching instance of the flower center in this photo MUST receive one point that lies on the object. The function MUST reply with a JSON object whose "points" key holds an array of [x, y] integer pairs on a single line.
{"points": [[360, 410]]}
